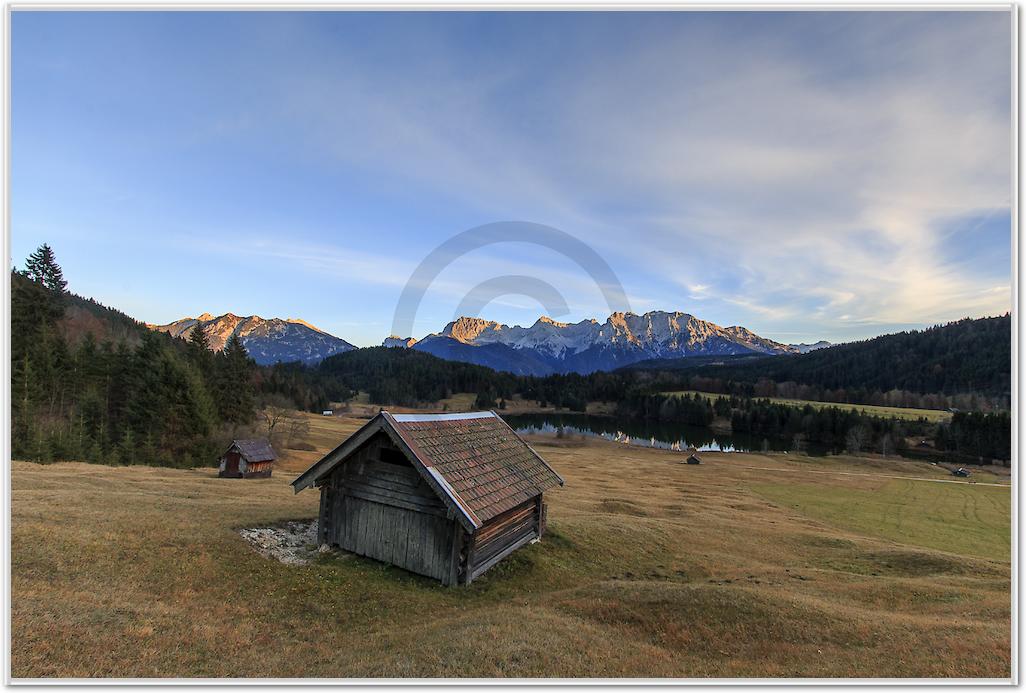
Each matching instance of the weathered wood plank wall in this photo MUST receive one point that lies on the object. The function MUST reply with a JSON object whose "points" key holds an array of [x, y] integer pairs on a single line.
{"points": [[386, 511], [502, 535]]}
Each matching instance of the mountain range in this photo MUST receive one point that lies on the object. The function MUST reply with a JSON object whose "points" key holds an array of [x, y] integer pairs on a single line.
{"points": [[544, 348], [622, 339], [267, 340]]}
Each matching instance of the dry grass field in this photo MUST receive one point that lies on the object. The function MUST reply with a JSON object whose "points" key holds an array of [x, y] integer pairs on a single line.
{"points": [[747, 565]]}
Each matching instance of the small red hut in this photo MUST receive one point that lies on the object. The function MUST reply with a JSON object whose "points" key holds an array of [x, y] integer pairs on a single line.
{"points": [[247, 459]]}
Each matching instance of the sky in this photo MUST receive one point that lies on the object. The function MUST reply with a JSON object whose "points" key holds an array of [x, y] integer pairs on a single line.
{"points": [[809, 175]]}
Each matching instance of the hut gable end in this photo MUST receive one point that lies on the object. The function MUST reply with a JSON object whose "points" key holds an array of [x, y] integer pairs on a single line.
{"points": [[379, 472]]}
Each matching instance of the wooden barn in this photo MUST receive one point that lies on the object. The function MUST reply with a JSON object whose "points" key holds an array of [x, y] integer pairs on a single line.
{"points": [[442, 495], [247, 459]]}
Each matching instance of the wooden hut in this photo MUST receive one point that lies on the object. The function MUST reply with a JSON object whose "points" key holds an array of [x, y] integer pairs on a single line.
{"points": [[693, 458], [442, 495], [247, 459]]}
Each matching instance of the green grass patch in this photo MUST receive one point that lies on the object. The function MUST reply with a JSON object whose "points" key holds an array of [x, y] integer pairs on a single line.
{"points": [[907, 413], [965, 519]]}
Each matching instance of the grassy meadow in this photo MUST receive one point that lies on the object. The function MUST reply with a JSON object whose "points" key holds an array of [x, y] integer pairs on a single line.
{"points": [[360, 405], [747, 565], [907, 413]]}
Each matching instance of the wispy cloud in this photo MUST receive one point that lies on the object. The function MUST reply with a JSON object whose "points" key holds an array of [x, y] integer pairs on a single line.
{"points": [[822, 191]]}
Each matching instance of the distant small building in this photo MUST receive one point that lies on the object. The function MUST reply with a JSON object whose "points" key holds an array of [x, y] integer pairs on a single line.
{"points": [[247, 459], [693, 458], [328, 412], [442, 495]]}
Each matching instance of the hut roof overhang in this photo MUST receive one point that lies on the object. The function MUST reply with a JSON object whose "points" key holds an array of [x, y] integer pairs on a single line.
{"points": [[475, 462], [254, 449]]}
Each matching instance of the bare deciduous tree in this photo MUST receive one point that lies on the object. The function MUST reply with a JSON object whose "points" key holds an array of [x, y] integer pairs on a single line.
{"points": [[274, 416], [282, 423], [886, 445], [296, 428], [856, 439], [797, 444]]}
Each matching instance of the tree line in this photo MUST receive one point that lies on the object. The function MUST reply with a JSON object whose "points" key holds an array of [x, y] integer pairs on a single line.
{"points": [[836, 428], [970, 436], [977, 435]]}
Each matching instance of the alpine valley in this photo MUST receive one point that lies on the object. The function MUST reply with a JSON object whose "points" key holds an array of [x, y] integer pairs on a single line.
{"points": [[544, 348]]}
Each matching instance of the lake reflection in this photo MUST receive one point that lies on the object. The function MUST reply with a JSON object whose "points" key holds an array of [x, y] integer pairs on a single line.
{"points": [[645, 433]]}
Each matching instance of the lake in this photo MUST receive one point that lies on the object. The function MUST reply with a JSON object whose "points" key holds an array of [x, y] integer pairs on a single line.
{"points": [[646, 433]]}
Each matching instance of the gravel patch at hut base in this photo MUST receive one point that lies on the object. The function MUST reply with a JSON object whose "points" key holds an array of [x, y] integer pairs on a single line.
{"points": [[293, 543]]}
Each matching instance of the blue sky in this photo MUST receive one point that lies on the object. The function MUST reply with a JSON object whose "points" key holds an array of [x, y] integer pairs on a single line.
{"points": [[827, 175]]}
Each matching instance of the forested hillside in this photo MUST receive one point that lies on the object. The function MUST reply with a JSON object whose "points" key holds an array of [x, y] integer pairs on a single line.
{"points": [[408, 377], [89, 383], [952, 363], [390, 376]]}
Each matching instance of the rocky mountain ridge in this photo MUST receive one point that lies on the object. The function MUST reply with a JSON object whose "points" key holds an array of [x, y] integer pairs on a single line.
{"points": [[268, 341], [550, 346]]}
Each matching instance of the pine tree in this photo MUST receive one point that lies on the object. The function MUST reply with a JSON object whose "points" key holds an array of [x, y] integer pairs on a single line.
{"points": [[127, 448], [38, 352], [142, 380], [198, 338], [485, 399], [41, 266], [235, 387], [199, 351]]}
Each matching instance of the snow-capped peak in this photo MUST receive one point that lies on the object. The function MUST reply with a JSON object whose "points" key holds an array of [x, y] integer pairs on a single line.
{"points": [[657, 333]]}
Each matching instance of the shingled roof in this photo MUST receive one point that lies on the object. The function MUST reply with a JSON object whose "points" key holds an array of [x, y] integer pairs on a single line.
{"points": [[477, 462], [254, 449]]}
